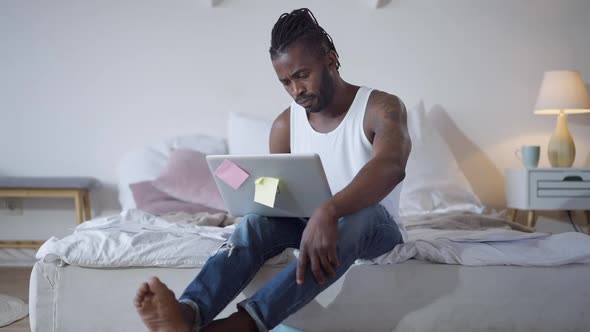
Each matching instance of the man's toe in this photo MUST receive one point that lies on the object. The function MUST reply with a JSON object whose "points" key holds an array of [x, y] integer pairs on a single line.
{"points": [[157, 286]]}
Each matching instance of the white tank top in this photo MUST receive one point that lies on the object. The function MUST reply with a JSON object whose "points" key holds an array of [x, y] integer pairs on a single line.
{"points": [[344, 150]]}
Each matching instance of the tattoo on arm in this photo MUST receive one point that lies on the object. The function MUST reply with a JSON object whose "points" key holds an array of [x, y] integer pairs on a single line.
{"points": [[391, 134], [392, 121]]}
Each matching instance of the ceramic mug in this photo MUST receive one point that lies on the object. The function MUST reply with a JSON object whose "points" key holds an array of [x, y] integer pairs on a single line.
{"points": [[528, 155]]}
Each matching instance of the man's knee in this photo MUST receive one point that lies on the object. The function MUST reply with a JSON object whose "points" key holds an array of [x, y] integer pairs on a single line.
{"points": [[252, 219], [370, 212], [365, 219], [370, 230], [362, 223], [250, 229], [247, 234]]}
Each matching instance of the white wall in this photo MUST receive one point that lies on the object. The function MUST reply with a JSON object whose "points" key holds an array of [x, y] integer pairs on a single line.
{"points": [[81, 83]]}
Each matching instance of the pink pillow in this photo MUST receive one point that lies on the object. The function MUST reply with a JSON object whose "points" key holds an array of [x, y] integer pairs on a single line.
{"points": [[187, 178], [148, 198]]}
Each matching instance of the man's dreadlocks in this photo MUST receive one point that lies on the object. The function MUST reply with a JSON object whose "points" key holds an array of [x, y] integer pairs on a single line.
{"points": [[300, 25]]}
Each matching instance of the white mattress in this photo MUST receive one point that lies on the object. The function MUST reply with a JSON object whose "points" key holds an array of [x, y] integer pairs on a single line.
{"points": [[413, 296]]}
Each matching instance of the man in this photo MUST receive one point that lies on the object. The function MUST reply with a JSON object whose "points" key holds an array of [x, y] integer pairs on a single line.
{"points": [[362, 139]]}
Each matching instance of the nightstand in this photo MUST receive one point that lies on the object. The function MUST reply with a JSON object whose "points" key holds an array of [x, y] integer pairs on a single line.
{"points": [[535, 189], [77, 188]]}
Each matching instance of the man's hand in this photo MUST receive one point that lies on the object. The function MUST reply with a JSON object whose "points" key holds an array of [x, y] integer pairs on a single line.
{"points": [[318, 246]]}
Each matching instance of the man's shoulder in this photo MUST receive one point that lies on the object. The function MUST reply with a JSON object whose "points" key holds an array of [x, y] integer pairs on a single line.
{"points": [[283, 120], [280, 133], [383, 105], [381, 100]]}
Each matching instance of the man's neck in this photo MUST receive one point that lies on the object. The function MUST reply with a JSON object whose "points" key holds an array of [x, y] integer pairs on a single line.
{"points": [[331, 116], [343, 96]]}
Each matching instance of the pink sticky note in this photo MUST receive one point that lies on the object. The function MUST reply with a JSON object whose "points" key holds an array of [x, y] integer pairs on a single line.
{"points": [[231, 174]]}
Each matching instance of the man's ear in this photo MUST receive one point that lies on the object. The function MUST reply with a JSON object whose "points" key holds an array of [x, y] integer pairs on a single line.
{"points": [[331, 59]]}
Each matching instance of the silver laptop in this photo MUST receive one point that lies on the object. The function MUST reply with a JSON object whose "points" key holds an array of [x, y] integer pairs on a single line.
{"points": [[302, 185]]}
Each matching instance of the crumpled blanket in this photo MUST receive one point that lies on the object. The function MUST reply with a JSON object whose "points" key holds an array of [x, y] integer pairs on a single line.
{"points": [[201, 219], [476, 240], [136, 238]]}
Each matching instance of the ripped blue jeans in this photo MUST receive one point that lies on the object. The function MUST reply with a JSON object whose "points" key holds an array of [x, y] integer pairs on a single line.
{"points": [[365, 234]]}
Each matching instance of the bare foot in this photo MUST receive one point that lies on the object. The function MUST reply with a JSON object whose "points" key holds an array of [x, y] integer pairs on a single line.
{"points": [[158, 308]]}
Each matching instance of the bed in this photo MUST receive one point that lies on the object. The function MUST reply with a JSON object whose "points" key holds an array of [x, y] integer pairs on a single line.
{"points": [[404, 295], [413, 296]]}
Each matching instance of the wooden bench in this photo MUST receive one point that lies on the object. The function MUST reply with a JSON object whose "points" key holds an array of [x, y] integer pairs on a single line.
{"points": [[77, 188]]}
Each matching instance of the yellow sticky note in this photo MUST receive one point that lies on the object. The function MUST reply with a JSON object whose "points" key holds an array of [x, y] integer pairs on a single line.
{"points": [[266, 190]]}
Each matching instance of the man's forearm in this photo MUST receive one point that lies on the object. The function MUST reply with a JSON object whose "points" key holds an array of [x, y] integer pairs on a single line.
{"points": [[372, 183]]}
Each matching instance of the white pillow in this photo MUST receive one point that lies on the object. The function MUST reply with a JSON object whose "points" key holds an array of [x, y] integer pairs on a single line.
{"points": [[434, 183], [247, 134], [202, 143], [148, 163]]}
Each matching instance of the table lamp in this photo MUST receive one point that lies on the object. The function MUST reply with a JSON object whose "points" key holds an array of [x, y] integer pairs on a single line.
{"points": [[562, 92]]}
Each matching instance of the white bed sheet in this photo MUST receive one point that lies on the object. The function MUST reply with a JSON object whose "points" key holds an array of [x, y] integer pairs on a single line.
{"points": [[412, 296], [136, 238]]}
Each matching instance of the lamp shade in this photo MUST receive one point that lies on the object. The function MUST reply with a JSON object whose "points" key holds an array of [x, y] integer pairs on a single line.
{"points": [[562, 90]]}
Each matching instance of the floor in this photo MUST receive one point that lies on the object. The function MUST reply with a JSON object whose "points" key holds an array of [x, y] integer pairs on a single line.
{"points": [[14, 281]]}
